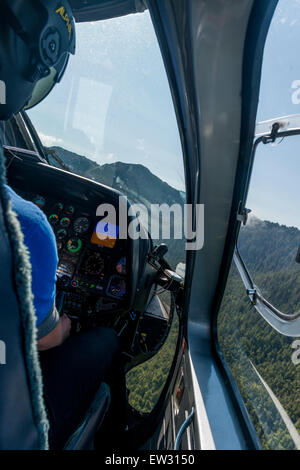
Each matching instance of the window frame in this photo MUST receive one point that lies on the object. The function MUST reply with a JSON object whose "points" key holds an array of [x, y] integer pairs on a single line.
{"points": [[287, 325]]}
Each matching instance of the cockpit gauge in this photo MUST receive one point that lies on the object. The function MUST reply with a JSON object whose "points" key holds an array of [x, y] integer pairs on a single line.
{"points": [[59, 207], [39, 201], [94, 265], [74, 245], [117, 287], [65, 222], [61, 234], [53, 219], [81, 225], [70, 210]]}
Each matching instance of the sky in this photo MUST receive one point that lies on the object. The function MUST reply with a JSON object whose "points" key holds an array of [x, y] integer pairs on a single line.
{"points": [[274, 194], [114, 104]]}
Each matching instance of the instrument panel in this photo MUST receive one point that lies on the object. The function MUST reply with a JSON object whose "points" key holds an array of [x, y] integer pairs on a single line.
{"points": [[102, 279], [92, 268]]}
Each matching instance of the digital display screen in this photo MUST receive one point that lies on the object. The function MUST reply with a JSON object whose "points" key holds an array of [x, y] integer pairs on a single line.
{"points": [[105, 234]]}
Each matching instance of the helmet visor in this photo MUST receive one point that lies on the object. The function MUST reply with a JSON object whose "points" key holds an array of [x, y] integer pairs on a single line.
{"points": [[45, 85]]}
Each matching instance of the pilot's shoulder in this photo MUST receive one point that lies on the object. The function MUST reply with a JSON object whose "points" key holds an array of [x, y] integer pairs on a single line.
{"points": [[31, 218]]}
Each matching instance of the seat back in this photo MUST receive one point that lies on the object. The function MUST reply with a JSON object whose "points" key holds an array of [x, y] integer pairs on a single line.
{"points": [[23, 421], [83, 437], [17, 426]]}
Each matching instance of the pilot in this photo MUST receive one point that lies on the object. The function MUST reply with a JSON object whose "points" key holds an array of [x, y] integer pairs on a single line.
{"points": [[36, 40]]}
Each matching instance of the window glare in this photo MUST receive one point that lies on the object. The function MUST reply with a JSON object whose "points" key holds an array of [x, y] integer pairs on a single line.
{"points": [[114, 103], [279, 94]]}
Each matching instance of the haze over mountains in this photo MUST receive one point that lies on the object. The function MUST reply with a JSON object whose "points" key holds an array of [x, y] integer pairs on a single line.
{"points": [[269, 247], [136, 181]]}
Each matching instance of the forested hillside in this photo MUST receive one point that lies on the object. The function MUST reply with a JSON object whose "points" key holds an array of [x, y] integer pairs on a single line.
{"points": [[249, 343], [146, 381]]}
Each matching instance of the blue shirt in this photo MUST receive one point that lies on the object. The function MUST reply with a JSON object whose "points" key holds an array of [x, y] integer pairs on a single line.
{"points": [[40, 241]]}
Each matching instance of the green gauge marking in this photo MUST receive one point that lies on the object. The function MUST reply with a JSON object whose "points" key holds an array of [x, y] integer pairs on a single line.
{"points": [[70, 210], [74, 245], [65, 222], [53, 219]]}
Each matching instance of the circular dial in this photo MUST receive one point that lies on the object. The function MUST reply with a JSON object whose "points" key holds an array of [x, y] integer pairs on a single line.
{"points": [[94, 265], [70, 210], [39, 201], [61, 234], [58, 207], [117, 287], [65, 222], [74, 245], [81, 225], [53, 219]]}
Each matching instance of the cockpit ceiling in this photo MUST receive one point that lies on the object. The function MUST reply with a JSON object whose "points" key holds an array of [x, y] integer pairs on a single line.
{"points": [[94, 10]]}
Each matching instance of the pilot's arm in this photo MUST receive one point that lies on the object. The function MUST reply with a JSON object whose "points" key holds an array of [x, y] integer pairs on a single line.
{"points": [[40, 241], [56, 336]]}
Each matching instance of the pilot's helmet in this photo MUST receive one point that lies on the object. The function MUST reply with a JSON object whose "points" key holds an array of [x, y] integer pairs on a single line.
{"points": [[36, 40]]}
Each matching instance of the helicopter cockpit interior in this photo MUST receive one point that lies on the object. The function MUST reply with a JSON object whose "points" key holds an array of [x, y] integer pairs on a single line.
{"points": [[104, 279], [141, 159], [101, 279]]}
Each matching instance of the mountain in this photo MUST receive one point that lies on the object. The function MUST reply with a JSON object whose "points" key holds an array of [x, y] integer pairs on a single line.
{"points": [[137, 183], [267, 246]]}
